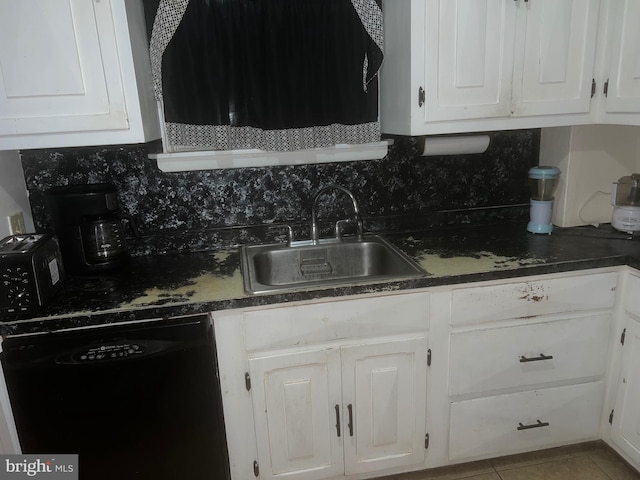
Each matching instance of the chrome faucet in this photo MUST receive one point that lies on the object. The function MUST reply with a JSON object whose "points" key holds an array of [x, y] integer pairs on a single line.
{"points": [[315, 235]]}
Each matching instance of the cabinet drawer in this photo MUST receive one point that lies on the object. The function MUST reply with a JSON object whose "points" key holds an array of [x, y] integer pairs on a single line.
{"points": [[301, 325], [505, 357], [517, 422], [537, 297]]}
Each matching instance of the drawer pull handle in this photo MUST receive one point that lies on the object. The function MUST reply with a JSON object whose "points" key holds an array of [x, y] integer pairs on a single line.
{"points": [[534, 425], [542, 356], [338, 419]]}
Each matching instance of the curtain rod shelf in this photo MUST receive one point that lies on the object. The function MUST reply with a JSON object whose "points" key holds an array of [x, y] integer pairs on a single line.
{"points": [[218, 159]]}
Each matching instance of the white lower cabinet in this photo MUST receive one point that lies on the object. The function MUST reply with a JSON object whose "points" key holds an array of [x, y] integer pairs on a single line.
{"points": [[625, 414], [365, 386], [348, 409], [625, 428], [325, 390], [528, 363]]}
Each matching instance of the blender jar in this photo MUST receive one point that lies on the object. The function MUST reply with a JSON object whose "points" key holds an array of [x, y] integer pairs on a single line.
{"points": [[543, 182]]}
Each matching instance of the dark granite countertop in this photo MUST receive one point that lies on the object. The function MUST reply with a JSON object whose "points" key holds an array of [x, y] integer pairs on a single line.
{"points": [[183, 284]]}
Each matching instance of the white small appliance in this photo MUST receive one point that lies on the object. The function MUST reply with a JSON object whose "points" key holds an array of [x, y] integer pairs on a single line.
{"points": [[625, 198], [543, 181]]}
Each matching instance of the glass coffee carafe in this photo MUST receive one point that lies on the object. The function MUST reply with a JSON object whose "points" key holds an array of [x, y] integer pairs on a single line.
{"points": [[103, 239]]}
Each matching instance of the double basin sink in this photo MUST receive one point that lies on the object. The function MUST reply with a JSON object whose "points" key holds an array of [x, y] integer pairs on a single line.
{"points": [[274, 267]]}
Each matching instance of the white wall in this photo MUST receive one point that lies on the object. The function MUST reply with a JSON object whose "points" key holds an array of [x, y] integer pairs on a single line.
{"points": [[13, 192], [591, 158]]}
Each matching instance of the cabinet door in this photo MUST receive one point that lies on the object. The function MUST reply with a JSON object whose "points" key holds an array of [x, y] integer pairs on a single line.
{"points": [[623, 93], [296, 401], [53, 57], [469, 58], [626, 420], [384, 402], [554, 71]]}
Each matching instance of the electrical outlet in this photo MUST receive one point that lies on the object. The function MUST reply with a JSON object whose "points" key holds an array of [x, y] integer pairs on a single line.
{"points": [[16, 224]]}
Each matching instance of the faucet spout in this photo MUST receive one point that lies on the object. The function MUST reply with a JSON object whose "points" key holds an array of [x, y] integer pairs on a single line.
{"points": [[315, 235]]}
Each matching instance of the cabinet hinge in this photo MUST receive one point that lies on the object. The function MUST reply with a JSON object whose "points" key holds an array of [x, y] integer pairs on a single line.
{"points": [[624, 334], [256, 468], [426, 441], [421, 96], [605, 90], [593, 87], [611, 417], [247, 381], [429, 358]]}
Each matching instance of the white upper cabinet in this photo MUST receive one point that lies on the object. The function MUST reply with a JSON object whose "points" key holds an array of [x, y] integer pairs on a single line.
{"points": [[469, 59], [470, 65], [622, 67], [554, 61], [498, 58], [74, 72]]}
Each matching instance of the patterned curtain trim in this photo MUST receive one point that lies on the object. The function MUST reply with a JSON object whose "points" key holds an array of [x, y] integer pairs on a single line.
{"points": [[224, 137], [371, 17], [165, 24]]}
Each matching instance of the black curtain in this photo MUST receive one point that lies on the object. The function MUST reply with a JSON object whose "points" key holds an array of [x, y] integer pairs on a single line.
{"points": [[269, 74]]}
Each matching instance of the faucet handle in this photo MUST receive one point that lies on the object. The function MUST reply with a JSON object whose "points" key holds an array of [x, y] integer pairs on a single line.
{"points": [[339, 226], [349, 221], [290, 236]]}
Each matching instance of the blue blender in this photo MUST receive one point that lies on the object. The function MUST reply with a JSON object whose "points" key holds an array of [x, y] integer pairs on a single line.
{"points": [[543, 182]]}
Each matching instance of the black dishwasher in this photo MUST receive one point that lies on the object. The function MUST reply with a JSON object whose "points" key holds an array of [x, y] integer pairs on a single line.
{"points": [[136, 401]]}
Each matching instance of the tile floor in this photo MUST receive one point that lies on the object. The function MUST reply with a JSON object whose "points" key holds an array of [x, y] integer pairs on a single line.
{"points": [[585, 461]]}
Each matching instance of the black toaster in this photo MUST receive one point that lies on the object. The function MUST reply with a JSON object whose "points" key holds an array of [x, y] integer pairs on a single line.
{"points": [[31, 272]]}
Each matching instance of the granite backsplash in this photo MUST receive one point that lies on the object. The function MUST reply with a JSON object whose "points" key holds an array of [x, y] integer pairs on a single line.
{"points": [[215, 209]]}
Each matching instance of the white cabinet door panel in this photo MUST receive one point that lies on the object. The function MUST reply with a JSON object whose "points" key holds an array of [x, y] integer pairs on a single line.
{"points": [[624, 75], [384, 394], [631, 297], [626, 419], [558, 57], [469, 58], [516, 422], [483, 360], [294, 398], [52, 63]]}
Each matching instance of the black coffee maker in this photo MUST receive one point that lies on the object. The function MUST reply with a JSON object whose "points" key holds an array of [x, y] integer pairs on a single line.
{"points": [[89, 226]]}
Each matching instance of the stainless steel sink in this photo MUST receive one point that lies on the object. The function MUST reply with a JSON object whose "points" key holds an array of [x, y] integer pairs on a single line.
{"points": [[267, 268]]}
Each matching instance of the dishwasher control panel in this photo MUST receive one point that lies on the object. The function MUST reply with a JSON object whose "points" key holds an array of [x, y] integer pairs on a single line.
{"points": [[104, 352], [113, 350]]}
